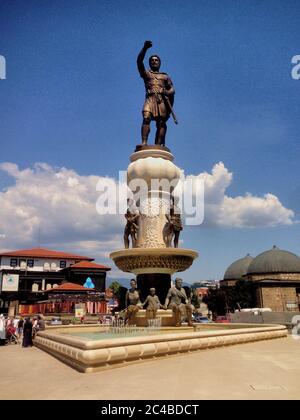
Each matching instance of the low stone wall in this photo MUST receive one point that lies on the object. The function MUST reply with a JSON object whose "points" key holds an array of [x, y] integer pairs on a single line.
{"points": [[283, 318], [91, 356]]}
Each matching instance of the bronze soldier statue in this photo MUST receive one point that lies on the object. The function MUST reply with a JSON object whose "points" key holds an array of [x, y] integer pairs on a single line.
{"points": [[131, 228], [177, 301], [173, 226], [159, 96]]}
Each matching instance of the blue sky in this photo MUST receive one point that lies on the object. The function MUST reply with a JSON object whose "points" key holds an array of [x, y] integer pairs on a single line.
{"points": [[73, 99]]}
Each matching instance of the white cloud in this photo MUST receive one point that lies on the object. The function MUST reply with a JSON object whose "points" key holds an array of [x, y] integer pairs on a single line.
{"points": [[58, 205], [242, 211]]}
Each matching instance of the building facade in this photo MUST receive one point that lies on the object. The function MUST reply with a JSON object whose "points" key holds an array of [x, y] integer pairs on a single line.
{"points": [[275, 275], [25, 273]]}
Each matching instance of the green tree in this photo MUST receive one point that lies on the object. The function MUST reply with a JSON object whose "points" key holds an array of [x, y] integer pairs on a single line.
{"points": [[227, 299], [244, 295], [115, 287], [216, 300]]}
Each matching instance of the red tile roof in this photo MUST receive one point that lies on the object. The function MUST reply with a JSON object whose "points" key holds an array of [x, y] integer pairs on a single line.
{"points": [[89, 265], [45, 253], [70, 287]]}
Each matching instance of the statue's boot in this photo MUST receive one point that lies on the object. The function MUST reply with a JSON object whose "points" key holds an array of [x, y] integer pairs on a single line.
{"points": [[145, 133]]}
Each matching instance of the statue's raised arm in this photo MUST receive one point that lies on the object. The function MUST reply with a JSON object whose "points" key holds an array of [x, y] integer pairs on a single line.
{"points": [[141, 56]]}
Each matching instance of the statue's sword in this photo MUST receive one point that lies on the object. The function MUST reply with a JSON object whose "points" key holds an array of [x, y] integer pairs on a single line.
{"points": [[171, 109], [169, 105]]}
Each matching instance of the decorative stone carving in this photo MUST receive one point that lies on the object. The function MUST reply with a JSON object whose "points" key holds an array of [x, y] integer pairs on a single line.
{"points": [[152, 222], [167, 260], [155, 167]]}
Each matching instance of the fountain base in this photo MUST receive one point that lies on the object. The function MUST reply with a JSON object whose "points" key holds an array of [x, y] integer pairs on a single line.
{"points": [[94, 355]]}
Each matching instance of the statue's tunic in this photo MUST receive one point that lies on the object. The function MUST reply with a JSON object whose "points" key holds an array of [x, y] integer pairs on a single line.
{"points": [[155, 103], [133, 297], [176, 296], [153, 302]]}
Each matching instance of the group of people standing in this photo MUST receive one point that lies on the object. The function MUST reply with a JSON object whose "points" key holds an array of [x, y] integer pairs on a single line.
{"points": [[18, 328]]}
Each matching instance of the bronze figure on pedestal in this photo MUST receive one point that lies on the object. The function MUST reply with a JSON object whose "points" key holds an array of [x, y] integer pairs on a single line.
{"points": [[131, 228], [159, 96], [173, 226]]}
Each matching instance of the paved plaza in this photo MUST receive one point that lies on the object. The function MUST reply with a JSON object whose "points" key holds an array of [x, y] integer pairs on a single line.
{"points": [[260, 370]]}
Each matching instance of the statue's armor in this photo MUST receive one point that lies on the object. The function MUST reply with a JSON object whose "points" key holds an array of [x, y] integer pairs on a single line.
{"points": [[131, 225], [177, 224], [155, 103]]}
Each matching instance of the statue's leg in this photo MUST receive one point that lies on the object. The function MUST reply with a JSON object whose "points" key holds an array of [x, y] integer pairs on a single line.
{"points": [[150, 313], [189, 310], [161, 129], [134, 311], [171, 236], [146, 127], [176, 238], [177, 314], [131, 314], [133, 239], [126, 240]]}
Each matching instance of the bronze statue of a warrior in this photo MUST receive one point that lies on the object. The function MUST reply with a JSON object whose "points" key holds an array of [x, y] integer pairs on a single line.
{"points": [[173, 226], [131, 228], [159, 96]]}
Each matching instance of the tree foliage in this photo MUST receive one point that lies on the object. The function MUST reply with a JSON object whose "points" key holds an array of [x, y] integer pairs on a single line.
{"points": [[115, 287], [228, 299]]}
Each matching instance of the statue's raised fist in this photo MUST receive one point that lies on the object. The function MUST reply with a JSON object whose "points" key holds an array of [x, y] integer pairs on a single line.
{"points": [[147, 44]]}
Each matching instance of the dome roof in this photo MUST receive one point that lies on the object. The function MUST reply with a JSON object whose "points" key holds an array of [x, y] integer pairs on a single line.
{"points": [[275, 261], [238, 269]]}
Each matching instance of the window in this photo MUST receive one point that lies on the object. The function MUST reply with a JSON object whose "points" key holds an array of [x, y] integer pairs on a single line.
{"points": [[46, 266], [22, 264], [30, 263], [63, 264], [13, 262]]}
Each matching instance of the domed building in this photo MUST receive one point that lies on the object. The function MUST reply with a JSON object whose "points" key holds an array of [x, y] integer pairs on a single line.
{"points": [[236, 271], [275, 275]]}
